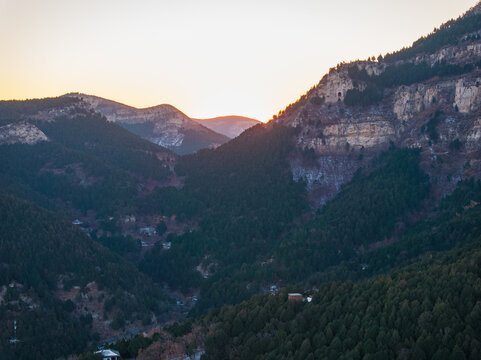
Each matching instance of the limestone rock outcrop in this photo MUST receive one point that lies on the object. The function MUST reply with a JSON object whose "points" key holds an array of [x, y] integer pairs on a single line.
{"points": [[440, 115], [468, 95], [21, 133]]}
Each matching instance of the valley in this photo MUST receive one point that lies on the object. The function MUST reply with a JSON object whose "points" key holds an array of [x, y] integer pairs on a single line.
{"points": [[158, 235]]}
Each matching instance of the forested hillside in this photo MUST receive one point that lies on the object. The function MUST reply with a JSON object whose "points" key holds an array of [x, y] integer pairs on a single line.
{"points": [[14, 110], [364, 193], [427, 311], [422, 304], [244, 197], [365, 212], [44, 259], [447, 34], [87, 163]]}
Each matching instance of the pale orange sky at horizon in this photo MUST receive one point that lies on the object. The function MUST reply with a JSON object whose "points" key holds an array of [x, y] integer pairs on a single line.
{"points": [[207, 58]]}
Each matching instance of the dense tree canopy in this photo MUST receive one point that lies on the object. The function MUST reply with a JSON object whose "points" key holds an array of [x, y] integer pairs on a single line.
{"points": [[36, 248], [448, 34], [428, 310], [88, 163], [245, 197]]}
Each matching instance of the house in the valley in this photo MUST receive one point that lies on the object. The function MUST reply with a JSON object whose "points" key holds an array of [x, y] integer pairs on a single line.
{"points": [[295, 296], [108, 354]]}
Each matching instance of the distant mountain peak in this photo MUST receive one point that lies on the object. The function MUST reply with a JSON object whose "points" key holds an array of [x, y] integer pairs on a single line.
{"points": [[229, 125]]}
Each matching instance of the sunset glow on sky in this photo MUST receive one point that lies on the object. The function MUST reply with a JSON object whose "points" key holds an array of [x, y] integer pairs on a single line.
{"points": [[207, 58]]}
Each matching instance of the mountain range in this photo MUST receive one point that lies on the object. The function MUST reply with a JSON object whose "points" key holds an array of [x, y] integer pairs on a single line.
{"points": [[362, 198], [167, 126]]}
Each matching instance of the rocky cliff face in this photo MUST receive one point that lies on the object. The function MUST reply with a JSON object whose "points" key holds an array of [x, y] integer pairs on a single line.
{"points": [[163, 124], [21, 133], [440, 115]]}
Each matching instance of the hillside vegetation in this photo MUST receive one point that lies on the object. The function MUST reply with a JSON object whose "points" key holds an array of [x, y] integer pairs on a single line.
{"points": [[427, 311], [428, 307], [88, 163], [244, 196], [41, 253]]}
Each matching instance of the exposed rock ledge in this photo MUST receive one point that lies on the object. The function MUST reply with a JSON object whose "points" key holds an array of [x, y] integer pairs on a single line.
{"points": [[21, 133]]}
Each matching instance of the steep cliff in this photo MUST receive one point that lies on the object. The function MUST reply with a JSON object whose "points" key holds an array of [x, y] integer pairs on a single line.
{"points": [[430, 100]]}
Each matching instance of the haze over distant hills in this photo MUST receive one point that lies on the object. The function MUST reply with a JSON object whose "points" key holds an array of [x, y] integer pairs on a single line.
{"points": [[231, 125]]}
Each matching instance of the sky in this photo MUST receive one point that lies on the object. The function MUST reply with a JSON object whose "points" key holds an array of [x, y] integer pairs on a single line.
{"points": [[206, 57]]}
